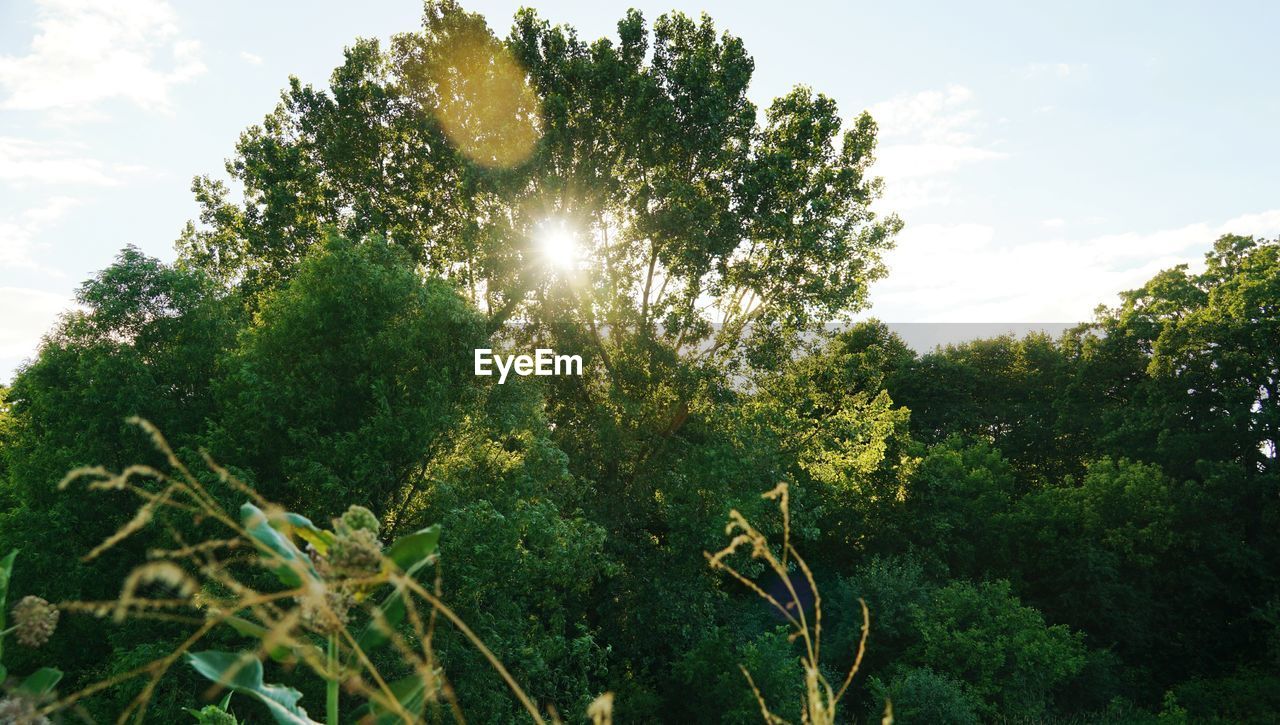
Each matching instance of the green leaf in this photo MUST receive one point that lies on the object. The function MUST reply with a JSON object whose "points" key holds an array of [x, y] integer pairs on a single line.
{"points": [[41, 682], [259, 526], [242, 672], [411, 553], [279, 653], [307, 531], [374, 635], [410, 692], [412, 550], [6, 571]]}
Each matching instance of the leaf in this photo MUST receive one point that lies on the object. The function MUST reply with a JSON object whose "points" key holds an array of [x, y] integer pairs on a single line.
{"points": [[410, 692], [6, 571], [374, 635], [305, 530], [256, 522], [412, 550], [41, 682], [242, 672], [279, 653], [411, 553]]}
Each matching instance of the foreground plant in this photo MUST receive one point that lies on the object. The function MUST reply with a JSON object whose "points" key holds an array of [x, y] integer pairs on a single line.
{"points": [[34, 622], [339, 594], [820, 698]]}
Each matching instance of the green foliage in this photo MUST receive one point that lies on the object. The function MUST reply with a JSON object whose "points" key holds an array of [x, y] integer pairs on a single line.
{"points": [[33, 622], [1248, 695], [316, 336], [1002, 650], [920, 695], [214, 714], [1002, 390], [957, 503], [1185, 365], [1097, 540], [712, 668], [351, 373], [894, 588]]}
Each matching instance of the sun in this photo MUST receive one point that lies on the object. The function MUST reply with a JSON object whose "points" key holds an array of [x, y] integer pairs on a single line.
{"points": [[558, 243]]}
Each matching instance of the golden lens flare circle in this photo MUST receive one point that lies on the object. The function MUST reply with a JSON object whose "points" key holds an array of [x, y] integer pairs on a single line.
{"points": [[485, 103]]}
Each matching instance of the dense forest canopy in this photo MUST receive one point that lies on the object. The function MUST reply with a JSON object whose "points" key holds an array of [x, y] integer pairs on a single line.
{"points": [[1084, 527]]}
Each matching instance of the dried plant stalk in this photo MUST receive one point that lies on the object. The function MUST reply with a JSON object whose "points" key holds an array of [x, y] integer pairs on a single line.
{"points": [[820, 701]]}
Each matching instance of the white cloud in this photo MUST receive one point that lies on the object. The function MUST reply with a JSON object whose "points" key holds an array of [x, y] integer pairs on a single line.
{"points": [[18, 232], [965, 273], [28, 314], [924, 136], [1054, 223], [85, 52], [250, 58], [930, 116], [909, 161], [1056, 70], [23, 161]]}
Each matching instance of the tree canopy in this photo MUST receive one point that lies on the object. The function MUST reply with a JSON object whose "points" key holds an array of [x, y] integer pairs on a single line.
{"points": [[1082, 527]]}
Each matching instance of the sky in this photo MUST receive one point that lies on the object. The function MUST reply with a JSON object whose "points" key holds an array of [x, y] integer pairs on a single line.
{"points": [[1043, 158]]}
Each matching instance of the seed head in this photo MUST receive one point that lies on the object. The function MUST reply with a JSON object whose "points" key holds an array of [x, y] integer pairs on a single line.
{"points": [[327, 612], [20, 710], [360, 518], [213, 715], [356, 553], [34, 621]]}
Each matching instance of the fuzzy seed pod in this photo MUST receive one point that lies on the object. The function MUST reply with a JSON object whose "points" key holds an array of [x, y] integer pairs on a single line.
{"points": [[356, 553], [320, 563], [214, 715], [19, 710], [34, 621], [360, 518], [326, 613]]}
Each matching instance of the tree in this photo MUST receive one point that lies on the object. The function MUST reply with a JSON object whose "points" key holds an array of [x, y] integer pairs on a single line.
{"points": [[1097, 542], [678, 196], [521, 563], [675, 193], [1186, 364], [956, 508], [920, 695], [1002, 650], [1004, 390], [1222, 348], [350, 373], [143, 344], [838, 435], [6, 430]]}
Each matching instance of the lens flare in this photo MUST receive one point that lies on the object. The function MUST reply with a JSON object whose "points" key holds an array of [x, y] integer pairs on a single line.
{"points": [[486, 104], [558, 244]]}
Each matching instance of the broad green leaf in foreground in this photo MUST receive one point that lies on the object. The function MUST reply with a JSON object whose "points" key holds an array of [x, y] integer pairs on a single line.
{"points": [[6, 571], [258, 524], [410, 692], [242, 672], [411, 553]]}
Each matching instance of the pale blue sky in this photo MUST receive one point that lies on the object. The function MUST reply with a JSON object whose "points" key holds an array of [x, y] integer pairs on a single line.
{"points": [[1042, 157]]}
